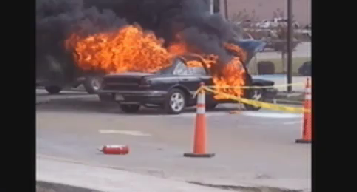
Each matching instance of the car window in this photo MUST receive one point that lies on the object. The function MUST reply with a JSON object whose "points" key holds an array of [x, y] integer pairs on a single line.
{"points": [[167, 70], [181, 68], [197, 71]]}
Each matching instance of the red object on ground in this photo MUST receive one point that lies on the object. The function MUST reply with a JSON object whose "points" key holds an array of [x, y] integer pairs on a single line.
{"points": [[115, 149]]}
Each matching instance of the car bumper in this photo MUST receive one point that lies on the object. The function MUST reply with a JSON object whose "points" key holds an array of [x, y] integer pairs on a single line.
{"points": [[133, 97], [270, 94]]}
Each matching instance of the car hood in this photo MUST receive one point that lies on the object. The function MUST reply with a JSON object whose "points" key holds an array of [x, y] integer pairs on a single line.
{"points": [[252, 47]]}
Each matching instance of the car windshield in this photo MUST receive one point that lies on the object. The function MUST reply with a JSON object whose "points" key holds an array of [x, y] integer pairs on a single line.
{"points": [[180, 68], [176, 66], [166, 70]]}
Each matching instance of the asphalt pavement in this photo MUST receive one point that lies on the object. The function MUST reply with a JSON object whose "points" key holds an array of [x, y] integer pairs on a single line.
{"points": [[252, 148]]}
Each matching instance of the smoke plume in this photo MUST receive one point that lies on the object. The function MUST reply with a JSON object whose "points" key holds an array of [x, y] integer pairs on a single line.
{"points": [[57, 19]]}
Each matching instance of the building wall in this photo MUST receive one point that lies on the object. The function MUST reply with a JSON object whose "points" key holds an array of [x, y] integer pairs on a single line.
{"points": [[264, 9]]}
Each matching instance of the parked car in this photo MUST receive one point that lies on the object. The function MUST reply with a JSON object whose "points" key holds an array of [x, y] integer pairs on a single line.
{"points": [[275, 22], [305, 69], [171, 88], [52, 75]]}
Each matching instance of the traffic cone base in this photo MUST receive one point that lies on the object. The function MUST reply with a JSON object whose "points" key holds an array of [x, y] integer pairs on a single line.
{"points": [[302, 141], [205, 155]]}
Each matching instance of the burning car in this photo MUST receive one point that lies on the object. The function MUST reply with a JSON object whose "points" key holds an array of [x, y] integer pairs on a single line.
{"points": [[147, 57], [172, 88]]}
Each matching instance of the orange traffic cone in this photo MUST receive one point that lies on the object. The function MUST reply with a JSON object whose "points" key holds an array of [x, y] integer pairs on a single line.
{"points": [[307, 126], [199, 146]]}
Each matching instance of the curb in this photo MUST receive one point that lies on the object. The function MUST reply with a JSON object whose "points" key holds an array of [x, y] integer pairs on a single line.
{"points": [[248, 188], [43, 186], [242, 187], [295, 98], [289, 102]]}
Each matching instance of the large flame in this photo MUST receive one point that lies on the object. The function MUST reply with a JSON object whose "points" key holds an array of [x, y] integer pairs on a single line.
{"points": [[128, 49], [132, 49]]}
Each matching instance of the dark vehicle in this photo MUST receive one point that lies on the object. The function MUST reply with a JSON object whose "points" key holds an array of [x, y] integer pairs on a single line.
{"points": [[52, 76], [305, 69], [172, 88]]}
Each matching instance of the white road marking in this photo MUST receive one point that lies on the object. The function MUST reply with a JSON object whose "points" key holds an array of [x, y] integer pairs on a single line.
{"points": [[292, 122], [125, 132], [272, 115], [207, 114]]}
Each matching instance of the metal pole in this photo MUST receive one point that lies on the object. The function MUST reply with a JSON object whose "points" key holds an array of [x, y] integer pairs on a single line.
{"points": [[289, 46], [211, 6], [226, 9]]}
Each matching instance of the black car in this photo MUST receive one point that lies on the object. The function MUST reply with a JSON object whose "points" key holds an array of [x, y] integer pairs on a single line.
{"points": [[55, 75], [305, 69], [171, 88]]}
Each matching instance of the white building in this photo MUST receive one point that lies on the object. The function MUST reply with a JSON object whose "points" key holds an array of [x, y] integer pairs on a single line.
{"points": [[264, 9]]}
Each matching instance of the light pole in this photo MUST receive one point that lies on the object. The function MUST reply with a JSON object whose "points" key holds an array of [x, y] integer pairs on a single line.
{"points": [[226, 9], [289, 46], [211, 6]]}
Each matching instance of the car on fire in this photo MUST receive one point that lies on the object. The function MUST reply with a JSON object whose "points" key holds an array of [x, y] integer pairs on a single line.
{"points": [[172, 88]]}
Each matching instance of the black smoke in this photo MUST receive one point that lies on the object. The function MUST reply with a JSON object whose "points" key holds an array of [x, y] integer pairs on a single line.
{"points": [[57, 19]]}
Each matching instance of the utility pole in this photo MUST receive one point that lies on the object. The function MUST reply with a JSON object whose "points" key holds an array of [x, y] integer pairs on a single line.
{"points": [[211, 6], [226, 9], [289, 46]]}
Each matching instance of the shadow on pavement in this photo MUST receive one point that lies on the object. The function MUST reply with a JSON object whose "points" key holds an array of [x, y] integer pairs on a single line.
{"points": [[61, 94], [93, 105]]}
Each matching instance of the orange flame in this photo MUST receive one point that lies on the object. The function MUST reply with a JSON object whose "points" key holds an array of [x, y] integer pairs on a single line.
{"points": [[232, 76], [132, 49], [129, 49], [237, 51]]}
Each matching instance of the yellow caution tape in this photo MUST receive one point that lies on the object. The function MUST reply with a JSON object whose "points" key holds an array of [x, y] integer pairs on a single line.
{"points": [[262, 104], [245, 87], [198, 91], [254, 87]]}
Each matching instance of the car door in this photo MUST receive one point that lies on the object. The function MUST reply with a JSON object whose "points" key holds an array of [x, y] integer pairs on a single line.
{"points": [[186, 77], [191, 77], [204, 77]]}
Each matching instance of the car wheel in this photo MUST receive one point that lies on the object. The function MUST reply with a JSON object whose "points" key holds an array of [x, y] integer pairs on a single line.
{"points": [[257, 95], [175, 102], [130, 108], [92, 84], [53, 89]]}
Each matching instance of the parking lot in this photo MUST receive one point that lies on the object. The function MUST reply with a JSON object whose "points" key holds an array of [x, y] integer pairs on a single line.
{"points": [[250, 146]]}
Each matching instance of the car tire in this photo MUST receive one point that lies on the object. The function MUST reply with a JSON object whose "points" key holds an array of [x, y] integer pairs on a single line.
{"points": [[130, 108], [257, 95], [92, 84], [175, 101], [53, 89]]}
